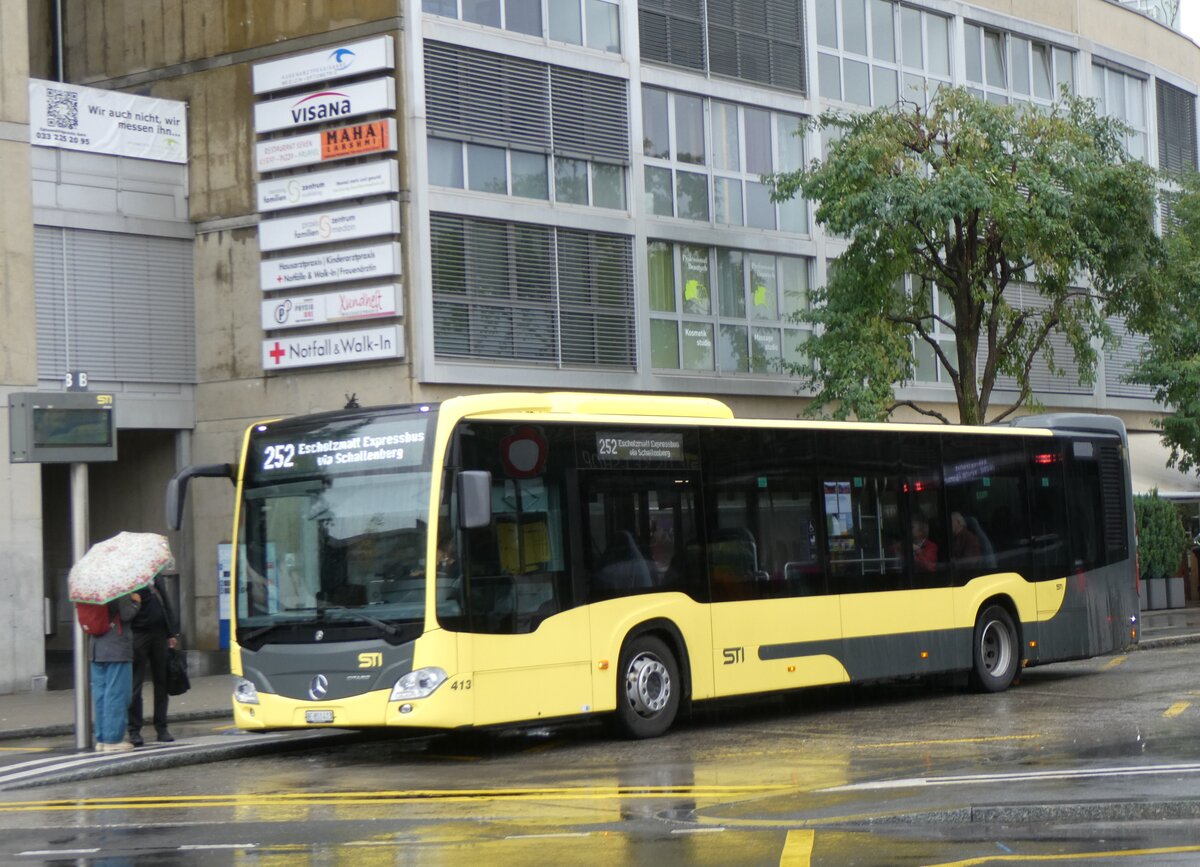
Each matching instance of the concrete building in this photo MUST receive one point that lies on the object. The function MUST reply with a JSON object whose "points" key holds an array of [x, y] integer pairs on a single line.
{"points": [[572, 187]]}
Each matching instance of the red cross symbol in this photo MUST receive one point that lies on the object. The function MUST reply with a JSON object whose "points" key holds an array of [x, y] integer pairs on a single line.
{"points": [[277, 353]]}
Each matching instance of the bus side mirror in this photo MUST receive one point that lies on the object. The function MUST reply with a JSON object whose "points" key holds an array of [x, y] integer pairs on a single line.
{"points": [[177, 488], [474, 499]]}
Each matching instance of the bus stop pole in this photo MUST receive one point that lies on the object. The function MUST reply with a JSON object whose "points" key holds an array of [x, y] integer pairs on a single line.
{"points": [[79, 546]]}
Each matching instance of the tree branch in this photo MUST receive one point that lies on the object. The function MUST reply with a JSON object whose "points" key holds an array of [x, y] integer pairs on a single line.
{"points": [[933, 413]]}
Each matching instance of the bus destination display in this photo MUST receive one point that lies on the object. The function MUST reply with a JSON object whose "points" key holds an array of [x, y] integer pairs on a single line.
{"points": [[363, 447], [630, 446]]}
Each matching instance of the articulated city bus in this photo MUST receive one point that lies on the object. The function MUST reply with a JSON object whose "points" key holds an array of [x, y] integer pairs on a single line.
{"points": [[507, 558]]}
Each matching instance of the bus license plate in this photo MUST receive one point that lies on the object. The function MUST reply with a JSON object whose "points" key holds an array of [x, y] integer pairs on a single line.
{"points": [[318, 716]]}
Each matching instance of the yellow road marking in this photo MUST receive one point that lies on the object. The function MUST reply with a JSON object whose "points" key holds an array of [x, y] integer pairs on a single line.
{"points": [[947, 741], [229, 727], [1176, 709], [391, 797], [1068, 856], [797, 850], [24, 749], [1113, 663]]}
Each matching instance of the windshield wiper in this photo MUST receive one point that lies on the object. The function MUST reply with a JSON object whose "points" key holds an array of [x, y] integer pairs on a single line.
{"points": [[262, 630], [389, 628]]}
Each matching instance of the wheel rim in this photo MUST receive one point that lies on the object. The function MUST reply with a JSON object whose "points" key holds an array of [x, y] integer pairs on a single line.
{"points": [[647, 685], [995, 648]]}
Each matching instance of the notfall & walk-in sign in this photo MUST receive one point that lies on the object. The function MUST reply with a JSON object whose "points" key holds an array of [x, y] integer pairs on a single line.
{"points": [[340, 347]]}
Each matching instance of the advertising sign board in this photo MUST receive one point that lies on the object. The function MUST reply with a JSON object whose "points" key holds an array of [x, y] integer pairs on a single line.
{"points": [[341, 347], [345, 305], [327, 104], [328, 64], [324, 227], [107, 122], [318, 188], [336, 266], [378, 136]]}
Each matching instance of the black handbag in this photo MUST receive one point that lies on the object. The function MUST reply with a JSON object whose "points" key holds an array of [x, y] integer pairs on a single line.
{"points": [[177, 676]]}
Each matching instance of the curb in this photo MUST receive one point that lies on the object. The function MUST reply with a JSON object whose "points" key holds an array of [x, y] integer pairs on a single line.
{"points": [[58, 729], [1025, 814], [1167, 641], [242, 746]]}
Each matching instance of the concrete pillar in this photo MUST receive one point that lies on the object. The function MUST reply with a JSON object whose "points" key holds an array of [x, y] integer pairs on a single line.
{"points": [[22, 639]]}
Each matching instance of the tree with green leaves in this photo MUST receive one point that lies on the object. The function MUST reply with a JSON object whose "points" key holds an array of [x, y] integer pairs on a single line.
{"points": [[1170, 360], [971, 200]]}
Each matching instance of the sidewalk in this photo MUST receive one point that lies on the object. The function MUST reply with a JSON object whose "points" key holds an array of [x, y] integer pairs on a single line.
{"points": [[40, 714]]}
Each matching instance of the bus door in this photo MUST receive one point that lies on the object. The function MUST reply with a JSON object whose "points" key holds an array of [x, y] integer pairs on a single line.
{"points": [[886, 546], [522, 633], [774, 626], [641, 558]]}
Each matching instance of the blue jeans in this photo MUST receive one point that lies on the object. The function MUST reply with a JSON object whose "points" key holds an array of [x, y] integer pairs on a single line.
{"points": [[112, 684]]}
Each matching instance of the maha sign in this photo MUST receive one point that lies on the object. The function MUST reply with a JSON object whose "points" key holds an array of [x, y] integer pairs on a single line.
{"points": [[107, 122]]}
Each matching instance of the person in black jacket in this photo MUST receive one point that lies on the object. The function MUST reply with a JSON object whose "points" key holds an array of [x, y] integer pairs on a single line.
{"points": [[155, 631]]}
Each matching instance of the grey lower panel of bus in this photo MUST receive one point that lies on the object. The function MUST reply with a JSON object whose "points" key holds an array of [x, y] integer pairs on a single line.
{"points": [[1094, 619], [878, 656], [292, 670]]}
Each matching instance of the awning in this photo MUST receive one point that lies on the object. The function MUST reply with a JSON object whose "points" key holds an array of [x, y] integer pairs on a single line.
{"points": [[1148, 466]]}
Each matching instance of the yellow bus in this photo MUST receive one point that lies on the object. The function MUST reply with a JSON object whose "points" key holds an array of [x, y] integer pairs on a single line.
{"points": [[506, 558]]}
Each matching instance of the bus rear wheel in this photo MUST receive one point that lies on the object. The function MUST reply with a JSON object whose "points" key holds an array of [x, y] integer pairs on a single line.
{"points": [[648, 688], [996, 650]]}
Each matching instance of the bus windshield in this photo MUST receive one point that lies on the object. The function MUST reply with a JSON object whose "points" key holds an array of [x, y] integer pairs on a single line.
{"points": [[333, 528]]}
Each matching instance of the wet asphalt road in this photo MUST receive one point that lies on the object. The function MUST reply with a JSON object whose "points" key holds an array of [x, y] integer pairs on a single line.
{"points": [[1093, 762]]}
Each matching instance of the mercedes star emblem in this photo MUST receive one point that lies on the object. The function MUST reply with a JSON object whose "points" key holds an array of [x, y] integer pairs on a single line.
{"points": [[318, 687]]}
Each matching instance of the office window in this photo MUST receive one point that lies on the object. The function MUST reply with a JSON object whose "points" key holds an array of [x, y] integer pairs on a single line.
{"points": [[514, 291], [589, 23], [735, 145], [507, 126], [937, 312], [725, 310], [1176, 128], [752, 41], [875, 52], [1123, 96], [1006, 67]]}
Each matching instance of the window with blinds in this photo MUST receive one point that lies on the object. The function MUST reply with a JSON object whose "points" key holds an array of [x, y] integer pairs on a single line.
{"points": [[1176, 128], [753, 40], [672, 31], [115, 305], [760, 40], [519, 292], [479, 96]]}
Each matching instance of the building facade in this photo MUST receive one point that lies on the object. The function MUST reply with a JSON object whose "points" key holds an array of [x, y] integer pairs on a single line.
{"points": [[539, 194]]}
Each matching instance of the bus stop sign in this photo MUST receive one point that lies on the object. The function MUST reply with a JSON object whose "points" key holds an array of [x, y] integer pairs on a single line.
{"points": [[61, 427]]}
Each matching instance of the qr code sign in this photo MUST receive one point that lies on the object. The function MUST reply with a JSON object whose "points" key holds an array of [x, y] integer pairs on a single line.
{"points": [[62, 109]]}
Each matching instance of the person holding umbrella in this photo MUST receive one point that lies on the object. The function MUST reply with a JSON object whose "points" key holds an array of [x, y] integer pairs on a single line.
{"points": [[109, 580], [155, 631], [112, 676]]}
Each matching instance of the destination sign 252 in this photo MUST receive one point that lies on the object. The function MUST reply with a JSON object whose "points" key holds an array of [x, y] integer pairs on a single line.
{"points": [[636, 446], [394, 444]]}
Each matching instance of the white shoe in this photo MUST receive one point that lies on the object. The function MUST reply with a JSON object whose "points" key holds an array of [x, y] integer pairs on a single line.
{"points": [[101, 747], [119, 747]]}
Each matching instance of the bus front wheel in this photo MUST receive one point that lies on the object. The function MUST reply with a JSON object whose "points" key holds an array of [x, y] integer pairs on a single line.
{"points": [[648, 688], [996, 651]]}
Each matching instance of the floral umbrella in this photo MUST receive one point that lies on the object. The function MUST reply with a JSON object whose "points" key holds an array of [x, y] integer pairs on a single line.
{"points": [[116, 566]]}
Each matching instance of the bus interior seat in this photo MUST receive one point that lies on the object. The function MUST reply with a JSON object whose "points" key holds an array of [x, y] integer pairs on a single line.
{"points": [[624, 566], [987, 553]]}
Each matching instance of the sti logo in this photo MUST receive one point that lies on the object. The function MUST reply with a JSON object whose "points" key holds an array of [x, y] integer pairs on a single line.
{"points": [[342, 58]]}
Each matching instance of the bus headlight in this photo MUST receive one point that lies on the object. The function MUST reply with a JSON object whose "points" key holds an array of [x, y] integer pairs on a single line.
{"points": [[418, 684], [245, 692]]}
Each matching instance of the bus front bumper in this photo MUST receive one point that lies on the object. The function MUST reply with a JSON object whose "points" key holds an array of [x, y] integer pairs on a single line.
{"points": [[445, 708]]}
